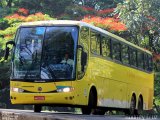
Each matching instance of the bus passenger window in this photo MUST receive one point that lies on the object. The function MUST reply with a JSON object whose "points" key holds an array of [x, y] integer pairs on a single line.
{"points": [[116, 54], [105, 46], [133, 57], [140, 57], [125, 56], [146, 62], [150, 60], [95, 43]]}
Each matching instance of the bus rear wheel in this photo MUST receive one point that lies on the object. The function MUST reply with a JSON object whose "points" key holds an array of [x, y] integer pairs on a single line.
{"points": [[91, 104], [140, 106], [37, 108], [132, 106], [99, 111], [132, 109]]}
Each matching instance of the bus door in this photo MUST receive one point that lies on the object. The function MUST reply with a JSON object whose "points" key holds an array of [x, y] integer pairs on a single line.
{"points": [[80, 84]]}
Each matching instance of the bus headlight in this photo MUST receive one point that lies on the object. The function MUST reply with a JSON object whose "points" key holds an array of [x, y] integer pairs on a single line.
{"points": [[19, 90], [64, 89]]}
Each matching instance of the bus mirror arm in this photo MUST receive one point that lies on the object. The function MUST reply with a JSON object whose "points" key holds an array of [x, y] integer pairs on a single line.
{"points": [[11, 42], [6, 54]]}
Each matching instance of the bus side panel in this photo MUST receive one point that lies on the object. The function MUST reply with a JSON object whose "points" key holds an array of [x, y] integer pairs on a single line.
{"points": [[109, 81], [99, 72], [141, 83], [118, 85], [81, 91]]}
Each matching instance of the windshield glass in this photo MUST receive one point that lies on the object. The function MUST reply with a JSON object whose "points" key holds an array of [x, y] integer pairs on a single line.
{"points": [[45, 53], [28, 52]]}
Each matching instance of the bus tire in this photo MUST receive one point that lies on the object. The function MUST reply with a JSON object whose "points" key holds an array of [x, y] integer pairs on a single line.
{"points": [[37, 108], [99, 112], [87, 110], [140, 106], [132, 108]]}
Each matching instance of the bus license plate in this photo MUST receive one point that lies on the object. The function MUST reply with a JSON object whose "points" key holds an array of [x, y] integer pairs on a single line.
{"points": [[39, 97]]}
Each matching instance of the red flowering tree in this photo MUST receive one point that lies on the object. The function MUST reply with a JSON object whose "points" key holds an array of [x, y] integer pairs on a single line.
{"points": [[23, 11], [108, 23], [100, 19]]}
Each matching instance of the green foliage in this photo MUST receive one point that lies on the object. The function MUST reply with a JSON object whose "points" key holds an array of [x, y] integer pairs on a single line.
{"points": [[76, 13], [6, 11], [142, 19], [3, 23], [51, 7], [157, 88], [3, 3], [98, 4]]}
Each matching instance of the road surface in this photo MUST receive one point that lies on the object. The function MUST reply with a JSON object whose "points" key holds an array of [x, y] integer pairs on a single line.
{"points": [[10, 114]]}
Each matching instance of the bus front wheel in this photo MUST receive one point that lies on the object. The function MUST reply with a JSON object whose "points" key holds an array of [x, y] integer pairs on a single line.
{"points": [[99, 112], [91, 104], [37, 108]]}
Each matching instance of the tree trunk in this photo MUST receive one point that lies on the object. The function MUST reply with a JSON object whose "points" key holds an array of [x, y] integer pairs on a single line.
{"points": [[151, 45], [9, 3]]}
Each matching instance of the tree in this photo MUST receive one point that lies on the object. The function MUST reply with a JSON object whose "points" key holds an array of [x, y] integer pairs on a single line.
{"points": [[51, 7], [108, 23], [98, 4], [102, 8], [142, 19]]}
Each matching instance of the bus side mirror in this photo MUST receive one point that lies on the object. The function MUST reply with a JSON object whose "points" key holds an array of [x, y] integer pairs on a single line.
{"points": [[6, 54], [83, 57]]}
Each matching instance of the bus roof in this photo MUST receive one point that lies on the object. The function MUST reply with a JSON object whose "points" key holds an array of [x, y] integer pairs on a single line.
{"points": [[79, 23]]}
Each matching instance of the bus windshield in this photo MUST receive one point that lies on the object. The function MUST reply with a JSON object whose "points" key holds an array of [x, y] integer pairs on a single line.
{"points": [[45, 53]]}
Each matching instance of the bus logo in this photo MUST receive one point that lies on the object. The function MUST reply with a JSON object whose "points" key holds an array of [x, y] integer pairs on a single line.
{"points": [[39, 89]]}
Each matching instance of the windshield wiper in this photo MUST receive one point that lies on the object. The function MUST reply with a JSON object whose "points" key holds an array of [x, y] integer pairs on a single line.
{"points": [[21, 59]]}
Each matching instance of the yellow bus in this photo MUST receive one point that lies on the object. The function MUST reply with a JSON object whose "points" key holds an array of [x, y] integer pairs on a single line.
{"points": [[72, 63]]}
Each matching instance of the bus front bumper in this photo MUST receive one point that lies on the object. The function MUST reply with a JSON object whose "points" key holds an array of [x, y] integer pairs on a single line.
{"points": [[42, 98]]}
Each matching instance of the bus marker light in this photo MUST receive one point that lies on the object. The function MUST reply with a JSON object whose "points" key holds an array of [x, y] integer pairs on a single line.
{"points": [[39, 97]]}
